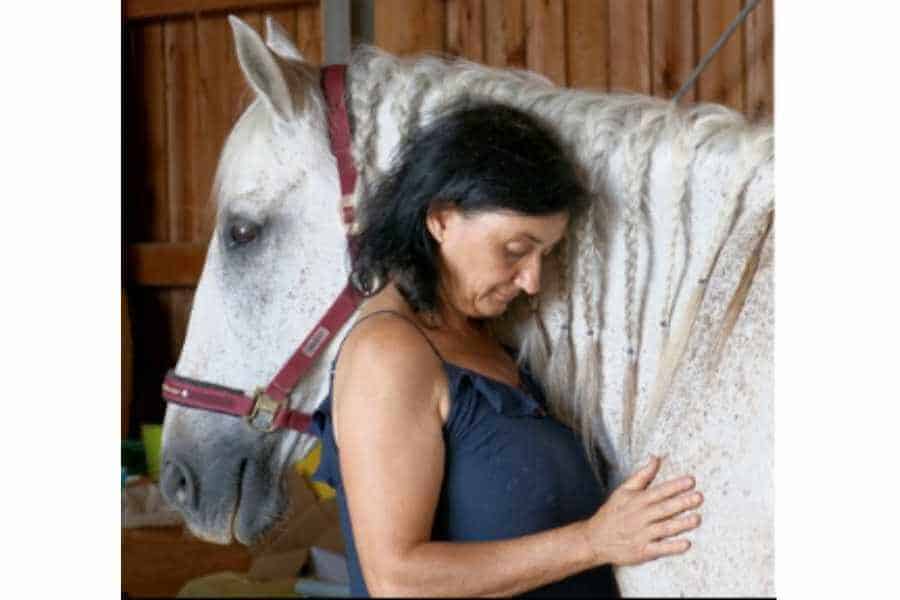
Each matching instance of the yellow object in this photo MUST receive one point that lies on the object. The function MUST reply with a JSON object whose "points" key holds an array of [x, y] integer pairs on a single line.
{"points": [[308, 466], [151, 436]]}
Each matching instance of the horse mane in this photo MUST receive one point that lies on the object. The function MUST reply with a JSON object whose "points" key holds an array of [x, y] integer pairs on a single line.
{"points": [[594, 126]]}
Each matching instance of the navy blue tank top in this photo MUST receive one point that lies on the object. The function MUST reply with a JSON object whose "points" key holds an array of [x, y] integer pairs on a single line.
{"points": [[510, 470]]}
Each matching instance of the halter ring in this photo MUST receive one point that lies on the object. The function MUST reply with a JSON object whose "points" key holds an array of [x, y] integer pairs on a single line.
{"points": [[265, 410]]}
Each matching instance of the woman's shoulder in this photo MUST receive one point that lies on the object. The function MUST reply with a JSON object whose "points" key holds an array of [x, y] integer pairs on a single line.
{"points": [[386, 367], [387, 346], [389, 332]]}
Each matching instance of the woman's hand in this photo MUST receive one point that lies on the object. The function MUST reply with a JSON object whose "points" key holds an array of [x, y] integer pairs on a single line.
{"points": [[633, 525]]}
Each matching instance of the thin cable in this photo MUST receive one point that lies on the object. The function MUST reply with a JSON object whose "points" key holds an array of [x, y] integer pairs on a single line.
{"points": [[692, 79]]}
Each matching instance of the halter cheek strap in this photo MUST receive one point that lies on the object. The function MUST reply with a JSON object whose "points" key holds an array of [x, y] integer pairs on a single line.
{"points": [[267, 409]]}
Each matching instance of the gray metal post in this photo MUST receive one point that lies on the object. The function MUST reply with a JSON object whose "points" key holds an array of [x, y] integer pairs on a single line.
{"points": [[337, 31]]}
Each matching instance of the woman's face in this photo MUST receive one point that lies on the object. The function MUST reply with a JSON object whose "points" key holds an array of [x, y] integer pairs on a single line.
{"points": [[489, 258]]}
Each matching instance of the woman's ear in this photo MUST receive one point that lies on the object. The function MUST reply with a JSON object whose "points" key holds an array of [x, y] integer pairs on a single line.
{"points": [[436, 220]]}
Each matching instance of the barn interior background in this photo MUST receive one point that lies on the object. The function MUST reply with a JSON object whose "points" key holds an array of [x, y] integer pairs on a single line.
{"points": [[183, 91]]}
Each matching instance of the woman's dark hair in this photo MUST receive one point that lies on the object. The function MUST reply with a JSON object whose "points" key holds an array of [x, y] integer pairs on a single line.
{"points": [[477, 156]]}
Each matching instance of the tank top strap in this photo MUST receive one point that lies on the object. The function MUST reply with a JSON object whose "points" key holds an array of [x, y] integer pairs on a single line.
{"points": [[394, 312]]}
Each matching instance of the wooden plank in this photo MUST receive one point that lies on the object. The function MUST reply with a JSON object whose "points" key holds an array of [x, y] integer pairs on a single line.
{"points": [[164, 264], [673, 47], [154, 9], [309, 36], [504, 40], [212, 121], [222, 90], [181, 126], [545, 44], [759, 60], [587, 44], [465, 29], [723, 79], [405, 27], [147, 209], [629, 37]]}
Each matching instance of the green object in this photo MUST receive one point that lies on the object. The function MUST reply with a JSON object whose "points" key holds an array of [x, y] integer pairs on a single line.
{"points": [[133, 459], [151, 435]]}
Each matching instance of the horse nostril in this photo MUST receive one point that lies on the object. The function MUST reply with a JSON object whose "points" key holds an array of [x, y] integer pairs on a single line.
{"points": [[178, 485]]}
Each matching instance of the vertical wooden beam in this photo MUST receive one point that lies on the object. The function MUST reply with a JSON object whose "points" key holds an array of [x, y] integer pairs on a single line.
{"points": [[310, 38], [181, 127], [545, 44], [587, 44], [212, 120], [673, 47], [759, 58], [723, 79], [152, 212], [504, 43], [465, 29], [629, 36], [214, 47], [404, 27]]}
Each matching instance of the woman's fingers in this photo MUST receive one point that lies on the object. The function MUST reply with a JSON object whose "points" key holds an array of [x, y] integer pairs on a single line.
{"points": [[666, 548], [672, 527], [673, 506], [665, 490], [642, 478]]}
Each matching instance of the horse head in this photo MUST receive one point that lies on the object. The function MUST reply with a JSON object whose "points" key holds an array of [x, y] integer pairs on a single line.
{"points": [[275, 261]]}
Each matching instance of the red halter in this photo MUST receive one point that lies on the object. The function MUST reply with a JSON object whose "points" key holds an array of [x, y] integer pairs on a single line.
{"points": [[267, 409]]}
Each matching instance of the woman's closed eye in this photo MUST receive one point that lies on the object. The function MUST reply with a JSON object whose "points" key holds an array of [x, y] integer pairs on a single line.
{"points": [[517, 250]]}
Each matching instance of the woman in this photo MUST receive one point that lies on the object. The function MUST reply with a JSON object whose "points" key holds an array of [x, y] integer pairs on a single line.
{"points": [[451, 477]]}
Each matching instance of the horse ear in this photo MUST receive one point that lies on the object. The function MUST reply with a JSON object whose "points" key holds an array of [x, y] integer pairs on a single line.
{"points": [[263, 70], [279, 41]]}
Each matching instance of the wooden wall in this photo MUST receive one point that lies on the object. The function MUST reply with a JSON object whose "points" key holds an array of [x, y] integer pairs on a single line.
{"points": [[183, 92], [647, 46]]}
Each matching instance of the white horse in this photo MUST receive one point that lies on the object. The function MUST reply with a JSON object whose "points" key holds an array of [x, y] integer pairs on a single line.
{"points": [[652, 332]]}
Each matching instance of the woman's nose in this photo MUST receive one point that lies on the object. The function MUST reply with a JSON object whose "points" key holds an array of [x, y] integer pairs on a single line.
{"points": [[529, 278]]}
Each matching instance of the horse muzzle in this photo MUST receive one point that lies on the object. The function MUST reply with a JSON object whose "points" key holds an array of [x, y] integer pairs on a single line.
{"points": [[236, 495]]}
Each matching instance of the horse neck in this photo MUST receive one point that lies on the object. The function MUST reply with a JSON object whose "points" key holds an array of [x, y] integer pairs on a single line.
{"points": [[668, 187]]}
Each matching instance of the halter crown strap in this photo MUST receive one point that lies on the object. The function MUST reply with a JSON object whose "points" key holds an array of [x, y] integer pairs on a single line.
{"points": [[267, 410]]}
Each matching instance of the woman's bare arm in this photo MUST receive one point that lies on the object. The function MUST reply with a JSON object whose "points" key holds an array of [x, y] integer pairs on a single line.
{"points": [[388, 387]]}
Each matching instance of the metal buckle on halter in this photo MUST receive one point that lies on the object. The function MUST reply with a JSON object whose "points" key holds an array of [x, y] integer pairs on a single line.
{"points": [[262, 417]]}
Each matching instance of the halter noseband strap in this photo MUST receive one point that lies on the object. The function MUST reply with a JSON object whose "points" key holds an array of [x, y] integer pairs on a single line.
{"points": [[267, 409]]}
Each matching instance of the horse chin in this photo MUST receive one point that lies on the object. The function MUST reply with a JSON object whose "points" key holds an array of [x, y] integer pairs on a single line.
{"points": [[254, 531], [260, 505], [222, 536], [245, 534]]}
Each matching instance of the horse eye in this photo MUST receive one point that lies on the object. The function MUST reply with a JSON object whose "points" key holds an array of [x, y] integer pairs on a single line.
{"points": [[243, 231]]}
